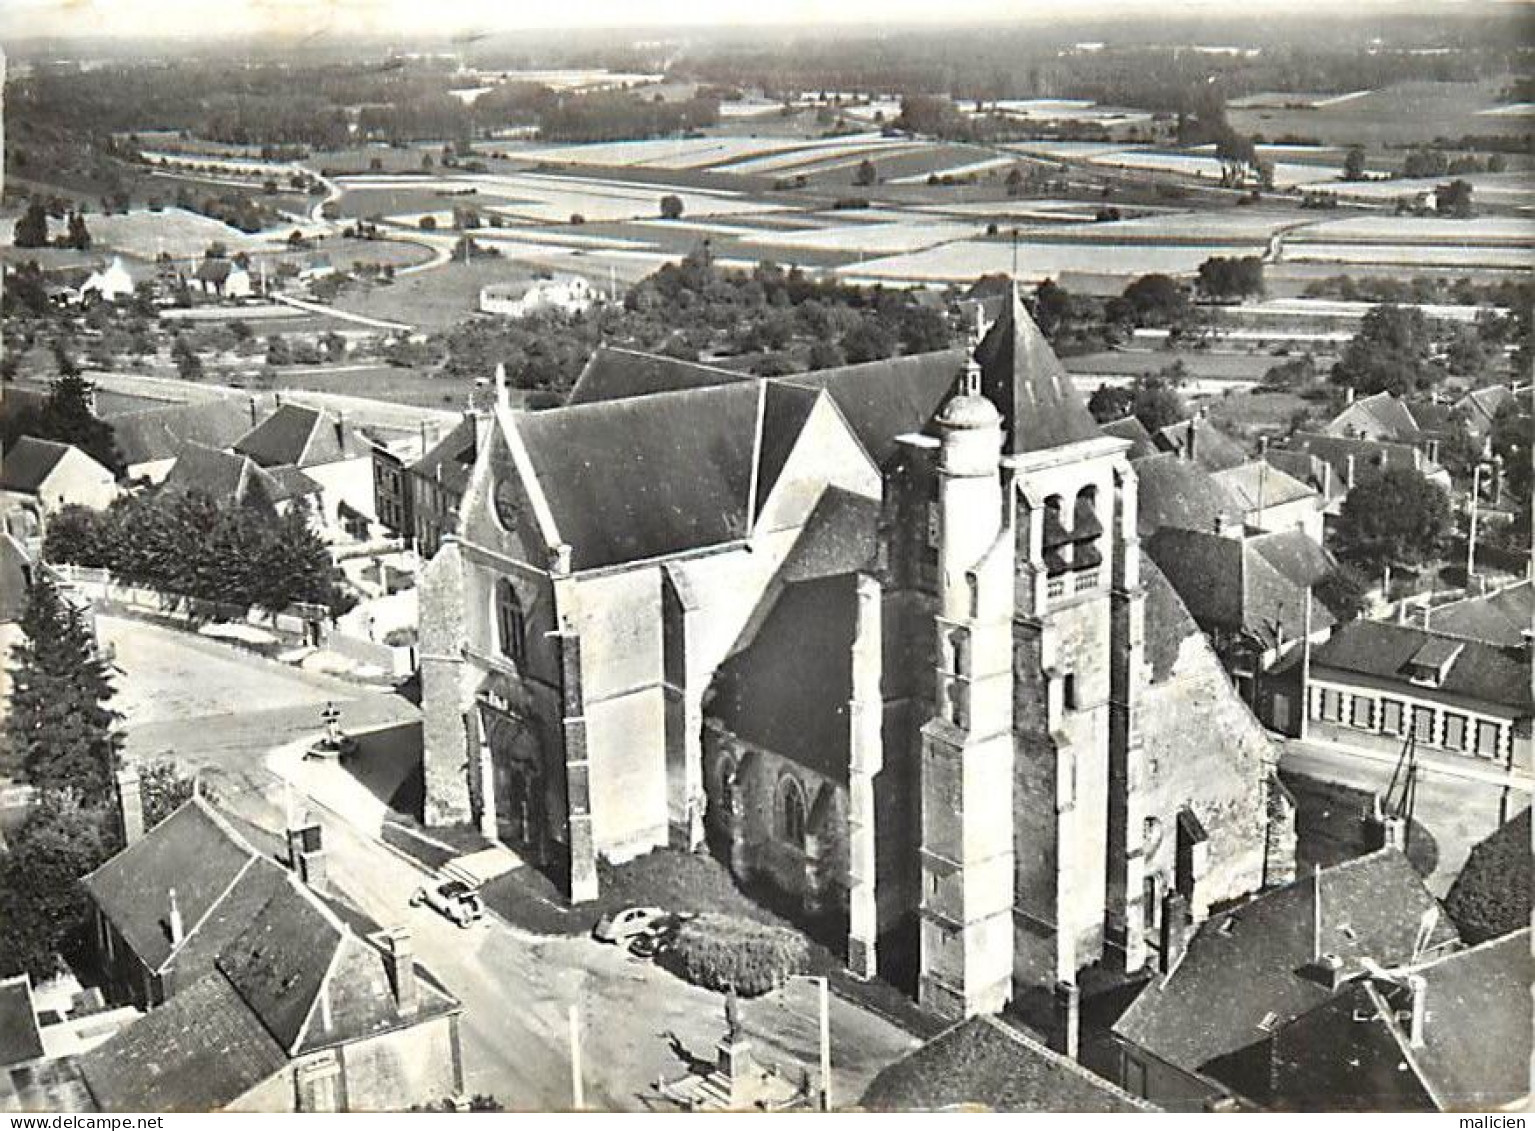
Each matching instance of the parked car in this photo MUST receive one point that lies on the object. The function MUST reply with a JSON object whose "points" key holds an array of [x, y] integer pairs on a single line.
{"points": [[656, 937], [620, 926], [453, 899]]}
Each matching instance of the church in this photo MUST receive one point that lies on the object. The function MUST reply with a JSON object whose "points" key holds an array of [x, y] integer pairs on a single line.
{"points": [[880, 637]]}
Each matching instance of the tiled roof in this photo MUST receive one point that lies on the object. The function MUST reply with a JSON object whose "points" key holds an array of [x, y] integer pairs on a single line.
{"points": [[1380, 417], [1020, 374], [1498, 618], [1312, 470], [1259, 485], [1174, 492], [1385, 651], [1238, 978], [199, 1052], [613, 374], [1355, 1051], [152, 434], [19, 1038], [451, 459], [303, 437], [194, 852], [1369, 455], [1213, 449], [1295, 554], [28, 463], [882, 400], [1482, 405], [984, 1062], [1129, 428], [234, 478]]}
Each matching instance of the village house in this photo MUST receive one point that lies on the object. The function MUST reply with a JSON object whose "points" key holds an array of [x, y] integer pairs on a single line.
{"points": [[1353, 457], [235, 479], [328, 451], [419, 499], [47, 476], [150, 439], [262, 996], [882, 637], [1373, 685], [567, 294], [1199, 442], [1202, 1027], [111, 284], [223, 278]]}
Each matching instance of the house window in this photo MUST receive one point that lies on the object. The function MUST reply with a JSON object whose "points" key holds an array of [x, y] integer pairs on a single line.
{"points": [[1069, 690], [1332, 705], [1487, 739], [1362, 712], [1390, 716], [510, 624], [1149, 903], [1423, 725], [791, 812], [1454, 731], [932, 525]]}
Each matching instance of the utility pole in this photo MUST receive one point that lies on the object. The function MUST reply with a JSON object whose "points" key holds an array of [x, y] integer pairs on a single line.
{"points": [[577, 1098], [1476, 482], [825, 1045]]}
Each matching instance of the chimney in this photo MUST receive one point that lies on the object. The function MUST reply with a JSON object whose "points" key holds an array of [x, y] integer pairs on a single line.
{"points": [[1226, 526], [1348, 472], [1192, 442], [130, 803], [1066, 1031], [399, 961], [173, 921], [1527, 644], [1419, 987], [306, 854], [1428, 615], [1433, 451], [254, 412], [1326, 971], [1349, 395], [1176, 927], [503, 397], [1401, 612]]}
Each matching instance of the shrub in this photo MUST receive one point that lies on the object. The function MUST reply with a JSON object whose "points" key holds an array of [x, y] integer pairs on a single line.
{"points": [[723, 952], [400, 637]]}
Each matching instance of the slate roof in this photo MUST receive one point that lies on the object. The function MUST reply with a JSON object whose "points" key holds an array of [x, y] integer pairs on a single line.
{"points": [[152, 434], [1020, 374], [1483, 672], [19, 1038], [1497, 618], [234, 478], [882, 400], [1129, 428], [29, 462], [1240, 965], [1380, 416], [200, 1051], [1312, 470], [986, 1063], [1377, 455], [1355, 1051], [454, 455], [1213, 449], [1295, 554], [303, 437], [788, 690], [613, 373], [1174, 492], [194, 851], [1480, 406], [1227, 583], [1258, 486]]}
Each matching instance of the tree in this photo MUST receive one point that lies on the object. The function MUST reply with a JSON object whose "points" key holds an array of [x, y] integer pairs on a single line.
{"points": [[1154, 398], [1111, 402], [1157, 300], [1492, 894], [60, 729], [1353, 163], [1392, 353], [163, 789], [1454, 199], [66, 418], [671, 207], [1344, 593], [42, 906], [188, 364], [31, 229], [78, 235], [866, 174], [1392, 517], [1225, 278]]}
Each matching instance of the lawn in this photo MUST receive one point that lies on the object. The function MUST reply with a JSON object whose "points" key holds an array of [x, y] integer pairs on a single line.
{"points": [[434, 299], [1330, 829]]}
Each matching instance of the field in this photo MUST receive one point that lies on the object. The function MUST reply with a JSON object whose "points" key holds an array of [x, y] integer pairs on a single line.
{"points": [[1409, 255], [873, 239], [1205, 365], [1199, 166], [144, 235], [1423, 229], [1502, 189], [965, 260], [1398, 115], [1243, 226]]}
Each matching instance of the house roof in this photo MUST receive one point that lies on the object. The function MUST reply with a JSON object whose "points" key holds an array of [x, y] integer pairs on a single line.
{"points": [[29, 462], [1213, 449], [451, 459], [1240, 968], [231, 477], [1312, 470], [303, 437], [199, 1052], [788, 690], [883, 400], [153, 434], [1258, 485], [19, 1038], [1480, 406], [1498, 618], [1479, 671], [1228, 583], [1355, 1050], [1129, 428], [1380, 416], [194, 852], [1495, 889], [613, 373], [1175, 492], [1021, 375], [1379, 455], [984, 1062], [1297, 555]]}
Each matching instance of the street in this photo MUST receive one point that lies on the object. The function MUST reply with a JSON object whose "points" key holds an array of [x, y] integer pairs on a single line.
{"points": [[225, 712]]}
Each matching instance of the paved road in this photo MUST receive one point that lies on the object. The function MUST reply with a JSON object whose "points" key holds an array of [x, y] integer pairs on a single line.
{"points": [[1457, 811], [223, 710]]}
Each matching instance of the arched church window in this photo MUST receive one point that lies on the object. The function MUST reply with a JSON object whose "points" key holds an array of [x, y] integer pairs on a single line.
{"points": [[792, 811], [1086, 530], [511, 625], [1057, 540]]}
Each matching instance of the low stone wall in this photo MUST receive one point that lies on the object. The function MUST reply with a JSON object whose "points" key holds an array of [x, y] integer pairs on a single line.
{"points": [[397, 662]]}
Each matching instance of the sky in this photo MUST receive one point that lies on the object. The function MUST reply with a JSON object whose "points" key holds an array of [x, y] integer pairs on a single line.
{"points": [[302, 18]]}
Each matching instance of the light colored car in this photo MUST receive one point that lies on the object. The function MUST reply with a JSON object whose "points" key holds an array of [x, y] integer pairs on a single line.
{"points": [[453, 899], [623, 925]]}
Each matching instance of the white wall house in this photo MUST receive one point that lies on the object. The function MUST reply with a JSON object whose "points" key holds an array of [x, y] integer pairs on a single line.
{"points": [[570, 294]]}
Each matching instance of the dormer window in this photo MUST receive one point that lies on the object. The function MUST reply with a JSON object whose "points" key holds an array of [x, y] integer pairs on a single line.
{"points": [[1431, 663]]}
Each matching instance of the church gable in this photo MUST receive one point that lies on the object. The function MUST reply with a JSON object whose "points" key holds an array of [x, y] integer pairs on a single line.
{"points": [[821, 453], [502, 510]]}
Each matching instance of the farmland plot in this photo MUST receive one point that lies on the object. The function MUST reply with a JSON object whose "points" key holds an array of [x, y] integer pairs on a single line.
{"points": [[1511, 189], [966, 260], [143, 234], [1244, 226], [1410, 255], [875, 239], [1424, 229], [1197, 165]]}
